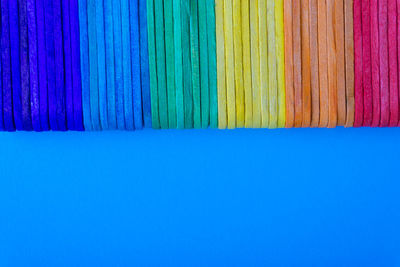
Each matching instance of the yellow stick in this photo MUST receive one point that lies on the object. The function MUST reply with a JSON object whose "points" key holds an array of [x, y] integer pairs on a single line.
{"points": [[255, 63], [263, 38], [237, 42], [230, 64], [248, 98], [272, 72], [280, 53], [221, 83]]}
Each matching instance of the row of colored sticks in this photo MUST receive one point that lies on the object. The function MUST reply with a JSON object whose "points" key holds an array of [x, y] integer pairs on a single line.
{"points": [[129, 64]]}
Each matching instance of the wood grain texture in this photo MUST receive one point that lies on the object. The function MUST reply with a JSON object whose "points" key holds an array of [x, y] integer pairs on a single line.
{"points": [[263, 46], [384, 62], [178, 63], [305, 63], [212, 61], [289, 89], [358, 65], [272, 67], [255, 63], [247, 83], [349, 58], [393, 61], [366, 57], [204, 66], [314, 63], [280, 55], [238, 56], [323, 64], [187, 65], [220, 40], [297, 70], [340, 61], [332, 64], [170, 62], [375, 80], [229, 63]]}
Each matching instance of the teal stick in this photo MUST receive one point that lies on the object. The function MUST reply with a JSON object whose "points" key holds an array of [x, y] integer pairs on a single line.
{"points": [[160, 53], [180, 112], [170, 67], [187, 67], [152, 65], [194, 49], [204, 83], [212, 63]]}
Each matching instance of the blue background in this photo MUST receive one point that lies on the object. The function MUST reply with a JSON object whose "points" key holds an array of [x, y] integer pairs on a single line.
{"points": [[298, 197]]}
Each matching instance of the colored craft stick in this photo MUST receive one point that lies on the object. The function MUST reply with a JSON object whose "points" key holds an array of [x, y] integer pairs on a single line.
{"points": [[393, 61], [15, 64], [340, 61], [118, 57], [375, 82], [398, 35], [5, 85], [229, 64], [305, 63], [297, 79], [332, 64], [160, 53], [314, 63], [136, 76], [33, 64], [110, 64], [289, 89], [323, 65], [367, 74], [212, 63], [280, 57], [93, 69], [76, 71], [101, 63], [59, 66], [1, 104], [169, 62], [50, 64], [272, 66], [220, 41], [263, 40], [238, 57], [66, 31], [152, 65], [204, 83], [178, 64], [255, 63], [24, 61], [349, 57], [126, 65], [383, 63], [187, 70], [144, 64], [84, 48], [42, 71], [248, 96], [358, 65], [195, 60]]}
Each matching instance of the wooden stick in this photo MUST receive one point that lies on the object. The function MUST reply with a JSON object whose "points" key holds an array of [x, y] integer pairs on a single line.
{"points": [[323, 64], [314, 63], [289, 89]]}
